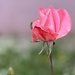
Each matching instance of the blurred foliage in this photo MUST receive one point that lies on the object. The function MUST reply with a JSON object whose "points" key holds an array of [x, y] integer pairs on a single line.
{"points": [[35, 64]]}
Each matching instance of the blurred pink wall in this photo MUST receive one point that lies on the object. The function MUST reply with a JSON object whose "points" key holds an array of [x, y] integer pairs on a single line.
{"points": [[16, 15]]}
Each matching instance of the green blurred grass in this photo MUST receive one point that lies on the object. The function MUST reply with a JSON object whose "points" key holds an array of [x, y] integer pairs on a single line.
{"points": [[63, 61]]}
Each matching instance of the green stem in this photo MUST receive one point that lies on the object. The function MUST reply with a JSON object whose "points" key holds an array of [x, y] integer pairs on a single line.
{"points": [[51, 65]]}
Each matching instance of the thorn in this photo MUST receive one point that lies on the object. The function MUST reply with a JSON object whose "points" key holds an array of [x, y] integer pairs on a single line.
{"points": [[31, 25], [53, 43]]}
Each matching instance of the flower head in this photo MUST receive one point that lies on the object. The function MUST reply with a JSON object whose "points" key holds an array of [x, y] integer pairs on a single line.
{"points": [[51, 25]]}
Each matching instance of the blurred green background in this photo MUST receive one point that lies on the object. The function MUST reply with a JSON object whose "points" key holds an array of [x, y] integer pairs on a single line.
{"points": [[22, 55]]}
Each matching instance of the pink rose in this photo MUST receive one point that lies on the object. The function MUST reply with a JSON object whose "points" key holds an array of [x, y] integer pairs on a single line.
{"points": [[51, 25]]}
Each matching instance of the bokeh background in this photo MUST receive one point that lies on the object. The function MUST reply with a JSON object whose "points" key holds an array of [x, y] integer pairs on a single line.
{"points": [[17, 50]]}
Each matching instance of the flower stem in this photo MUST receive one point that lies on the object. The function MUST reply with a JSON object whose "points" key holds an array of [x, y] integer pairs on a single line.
{"points": [[51, 65]]}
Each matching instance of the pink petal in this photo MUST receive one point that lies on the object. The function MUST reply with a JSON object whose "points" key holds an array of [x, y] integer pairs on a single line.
{"points": [[39, 34], [56, 19], [36, 34], [46, 19], [49, 22], [36, 23], [43, 11], [43, 15], [65, 23]]}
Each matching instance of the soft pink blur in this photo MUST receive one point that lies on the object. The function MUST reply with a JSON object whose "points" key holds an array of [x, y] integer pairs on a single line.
{"points": [[16, 15]]}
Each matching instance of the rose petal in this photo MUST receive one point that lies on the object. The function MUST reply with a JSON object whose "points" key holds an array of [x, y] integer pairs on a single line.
{"points": [[65, 23], [56, 19], [38, 33]]}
